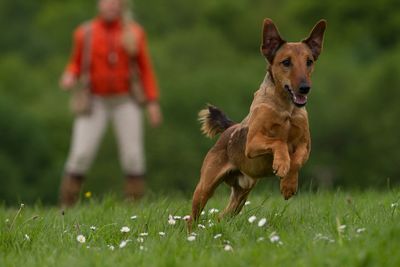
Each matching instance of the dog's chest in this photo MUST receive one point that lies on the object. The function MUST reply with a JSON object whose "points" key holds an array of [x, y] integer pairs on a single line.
{"points": [[298, 125], [289, 127]]}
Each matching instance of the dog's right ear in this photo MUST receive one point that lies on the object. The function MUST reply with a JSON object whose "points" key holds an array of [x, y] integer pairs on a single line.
{"points": [[271, 40]]}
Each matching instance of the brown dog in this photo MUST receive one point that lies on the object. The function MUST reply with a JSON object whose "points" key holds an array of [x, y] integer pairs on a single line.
{"points": [[274, 138]]}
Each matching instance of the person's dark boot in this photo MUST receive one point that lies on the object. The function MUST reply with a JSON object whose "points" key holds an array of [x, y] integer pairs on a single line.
{"points": [[135, 187], [70, 188]]}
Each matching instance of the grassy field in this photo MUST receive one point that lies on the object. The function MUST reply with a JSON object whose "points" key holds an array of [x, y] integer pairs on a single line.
{"points": [[321, 229]]}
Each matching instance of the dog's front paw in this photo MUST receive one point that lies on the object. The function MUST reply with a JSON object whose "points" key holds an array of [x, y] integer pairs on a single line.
{"points": [[288, 188], [281, 167]]}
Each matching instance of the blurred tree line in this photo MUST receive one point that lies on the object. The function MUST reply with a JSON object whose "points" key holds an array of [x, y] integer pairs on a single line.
{"points": [[204, 51]]}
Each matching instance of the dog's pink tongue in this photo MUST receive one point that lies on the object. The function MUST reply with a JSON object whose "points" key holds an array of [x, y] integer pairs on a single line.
{"points": [[301, 99]]}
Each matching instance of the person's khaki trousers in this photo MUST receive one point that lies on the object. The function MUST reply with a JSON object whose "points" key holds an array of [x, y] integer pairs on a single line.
{"points": [[88, 131]]}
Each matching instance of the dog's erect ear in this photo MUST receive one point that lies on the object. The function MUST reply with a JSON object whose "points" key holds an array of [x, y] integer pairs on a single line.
{"points": [[316, 38], [271, 40]]}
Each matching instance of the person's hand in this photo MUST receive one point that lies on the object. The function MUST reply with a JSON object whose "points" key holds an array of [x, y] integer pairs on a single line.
{"points": [[67, 81], [154, 114]]}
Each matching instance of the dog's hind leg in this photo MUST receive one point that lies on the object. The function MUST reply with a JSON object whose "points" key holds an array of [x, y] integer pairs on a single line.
{"points": [[241, 187], [215, 167]]}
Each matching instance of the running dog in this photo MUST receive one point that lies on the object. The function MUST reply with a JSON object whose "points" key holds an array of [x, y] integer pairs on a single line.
{"points": [[274, 138]]}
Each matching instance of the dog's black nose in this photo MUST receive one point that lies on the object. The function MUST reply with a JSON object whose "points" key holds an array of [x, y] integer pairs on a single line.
{"points": [[304, 89]]}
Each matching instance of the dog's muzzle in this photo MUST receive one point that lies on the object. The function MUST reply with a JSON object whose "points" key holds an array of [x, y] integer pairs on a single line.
{"points": [[299, 99]]}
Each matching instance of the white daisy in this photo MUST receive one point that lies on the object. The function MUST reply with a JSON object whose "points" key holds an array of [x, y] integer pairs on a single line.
{"points": [[171, 220], [123, 243], [201, 226], [176, 217], [133, 217], [274, 237], [27, 238], [81, 239], [111, 247], [161, 233], [260, 239], [93, 228], [186, 217], [125, 229], [262, 222], [191, 238], [217, 236], [143, 234], [320, 236], [360, 230], [228, 248], [252, 219], [247, 203], [140, 239], [341, 228], [203, 213], [213, 210]]}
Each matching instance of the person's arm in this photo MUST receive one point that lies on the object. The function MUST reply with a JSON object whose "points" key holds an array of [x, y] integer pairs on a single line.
{"points": [[73, 69], [148, 81], [146, 70]]}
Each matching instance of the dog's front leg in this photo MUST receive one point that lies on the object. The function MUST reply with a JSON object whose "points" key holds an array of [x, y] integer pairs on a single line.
{"points": [[260, 145], [289, 183], [267, 134], [281, 163]]}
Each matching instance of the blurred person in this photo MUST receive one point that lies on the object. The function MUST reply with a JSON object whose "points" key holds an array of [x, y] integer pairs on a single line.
{"points": [[110, 51]]}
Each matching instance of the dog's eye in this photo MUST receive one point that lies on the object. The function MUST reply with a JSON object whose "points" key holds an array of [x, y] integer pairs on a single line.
{"points": [[286, 62], [309, 62]]}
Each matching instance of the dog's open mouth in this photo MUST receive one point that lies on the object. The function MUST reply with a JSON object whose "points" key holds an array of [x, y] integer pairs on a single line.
{"points": [[300, 100]]}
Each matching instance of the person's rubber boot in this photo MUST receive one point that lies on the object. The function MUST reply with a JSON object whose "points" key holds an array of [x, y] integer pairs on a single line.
{"points": [[70, 188], [134, 187]]}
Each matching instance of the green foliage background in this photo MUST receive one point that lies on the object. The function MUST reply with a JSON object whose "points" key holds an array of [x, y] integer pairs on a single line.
{"points": [[204, 51]]}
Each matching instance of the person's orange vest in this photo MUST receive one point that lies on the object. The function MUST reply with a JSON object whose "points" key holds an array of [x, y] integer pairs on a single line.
{"points": [[110, 64]]}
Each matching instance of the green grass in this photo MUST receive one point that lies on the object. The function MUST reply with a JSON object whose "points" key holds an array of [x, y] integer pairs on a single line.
{"points": [[307, 226]]}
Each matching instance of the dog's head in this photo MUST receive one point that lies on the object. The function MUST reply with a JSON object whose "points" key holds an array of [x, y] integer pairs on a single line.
{"points": [[291, 64]]}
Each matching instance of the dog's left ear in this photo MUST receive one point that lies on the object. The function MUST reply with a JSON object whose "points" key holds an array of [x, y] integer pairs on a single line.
{"points": [[316, 38]]}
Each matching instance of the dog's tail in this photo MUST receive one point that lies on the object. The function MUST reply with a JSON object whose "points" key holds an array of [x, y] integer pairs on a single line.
{"points": [[213, 121]]}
